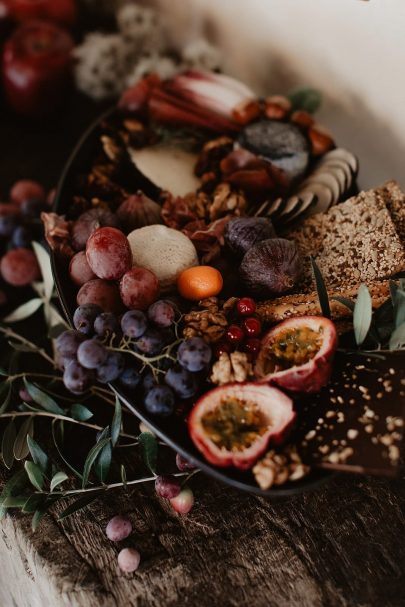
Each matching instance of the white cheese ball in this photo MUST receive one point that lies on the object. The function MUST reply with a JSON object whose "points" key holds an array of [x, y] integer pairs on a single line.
{"points": [[163, 251]]}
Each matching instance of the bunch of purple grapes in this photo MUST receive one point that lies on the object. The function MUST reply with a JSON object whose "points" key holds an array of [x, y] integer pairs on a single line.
{"points": [[133, 350]]}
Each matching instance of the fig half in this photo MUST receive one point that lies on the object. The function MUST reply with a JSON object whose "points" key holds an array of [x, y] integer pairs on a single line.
{"points": [[233, 424], [297, 354]]}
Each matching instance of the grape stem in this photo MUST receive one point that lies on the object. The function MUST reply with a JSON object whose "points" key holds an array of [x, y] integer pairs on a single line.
{"points": [[148, 360], [10, 333]]}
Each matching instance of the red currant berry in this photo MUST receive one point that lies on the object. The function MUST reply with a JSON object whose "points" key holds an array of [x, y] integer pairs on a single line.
{"points": [[252, 327], [246, 306], [234, 334], [221, 348], [252, 346]]}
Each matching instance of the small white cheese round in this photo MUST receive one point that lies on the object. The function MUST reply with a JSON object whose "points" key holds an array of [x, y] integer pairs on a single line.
{"points": [[163, 251]]}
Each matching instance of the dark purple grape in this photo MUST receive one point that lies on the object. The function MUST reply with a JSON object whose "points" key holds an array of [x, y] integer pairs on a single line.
{"points": [[151, 343], [91, 354], [184, 383], [182, 464], [8, 223], [162, 313], [111, 369], [167, 486], [130, 378], [134, 324], [160, 401], [67, 344], [77, 379], [21, 237], [148, 382], [84, 317], [194, 354], [33, 207], [106, 324]]}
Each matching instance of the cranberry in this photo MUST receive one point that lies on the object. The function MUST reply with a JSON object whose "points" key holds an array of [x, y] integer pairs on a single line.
{"points": [[58, 11], [221, 348], [37, 68], [246, 306], [252, 346], [234, 334], [252, 326]]}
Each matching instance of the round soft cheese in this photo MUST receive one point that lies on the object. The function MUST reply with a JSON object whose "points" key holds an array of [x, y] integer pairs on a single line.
{"points": [[163, 251]]}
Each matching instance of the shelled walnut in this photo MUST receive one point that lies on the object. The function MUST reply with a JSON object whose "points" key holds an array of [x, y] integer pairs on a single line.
{"points": [[209, 320], [230, 368]]}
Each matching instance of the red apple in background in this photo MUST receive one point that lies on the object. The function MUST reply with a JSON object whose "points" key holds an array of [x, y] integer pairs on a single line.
{"points": [[58, 11], [37, 68]]}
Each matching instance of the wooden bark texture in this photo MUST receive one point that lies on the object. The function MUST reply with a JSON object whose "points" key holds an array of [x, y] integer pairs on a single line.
{"points": [[341, 546]]}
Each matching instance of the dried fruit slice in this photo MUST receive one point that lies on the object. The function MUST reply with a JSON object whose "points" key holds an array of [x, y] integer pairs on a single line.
{"points": [[297, 354], [233, 424]]}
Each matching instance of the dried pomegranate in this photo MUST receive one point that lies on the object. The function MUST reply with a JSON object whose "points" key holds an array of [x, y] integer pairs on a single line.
{"points": [[297, 354], [233, 424]]}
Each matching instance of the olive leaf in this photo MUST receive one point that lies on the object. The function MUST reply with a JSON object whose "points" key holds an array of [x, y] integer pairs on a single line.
{"points": [[116, 422], [149, 447], [123, 474], [59, 450], [103, 463], [321, 289], [33, 503], [7, 444], [399, 307], [37, 518], [362, 314], [43, 399], [44, 263], [17, 483], [345, 301], [21, 448], [35, 475], [306, 99], [5, 396], [79, 504], [24, 311], [80, 412], [91, 458], [38, 455], [58, 479], [397, 339]]}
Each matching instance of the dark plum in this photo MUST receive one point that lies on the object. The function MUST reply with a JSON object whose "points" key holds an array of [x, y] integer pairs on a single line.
{"points": [[134, 324], [162, 313], [111, 369], [194, 354], [160, 401], [241, 233], [183, 382], [89, 222], [271, 267], [91, 354], [77, 379], [84, 317]]}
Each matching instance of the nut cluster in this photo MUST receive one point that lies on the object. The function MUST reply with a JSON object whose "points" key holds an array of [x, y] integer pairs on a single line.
{"points": [[230, 368], [209, 320], [278, 468]]}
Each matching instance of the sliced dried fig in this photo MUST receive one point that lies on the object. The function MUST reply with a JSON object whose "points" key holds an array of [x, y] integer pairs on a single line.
{"points": [[297, 354], [232, 425]]}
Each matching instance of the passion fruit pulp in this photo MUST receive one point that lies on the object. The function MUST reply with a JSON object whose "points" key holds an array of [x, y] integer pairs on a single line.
{"points": [[232, 425], [297, 354]]}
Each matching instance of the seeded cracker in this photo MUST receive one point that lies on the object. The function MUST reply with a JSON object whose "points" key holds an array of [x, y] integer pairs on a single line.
{"points": [[394, 199], [354, 242]]}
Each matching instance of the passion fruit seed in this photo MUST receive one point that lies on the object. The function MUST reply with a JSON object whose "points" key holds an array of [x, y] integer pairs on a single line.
{"points": [[294, 347], [235, 424]]}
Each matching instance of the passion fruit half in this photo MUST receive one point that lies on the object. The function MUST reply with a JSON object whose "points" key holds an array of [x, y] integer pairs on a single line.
{"points": [[232, 425], [297, 354]]}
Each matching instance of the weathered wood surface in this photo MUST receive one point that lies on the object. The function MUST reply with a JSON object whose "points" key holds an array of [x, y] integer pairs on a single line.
{"points": [[341, 546]]}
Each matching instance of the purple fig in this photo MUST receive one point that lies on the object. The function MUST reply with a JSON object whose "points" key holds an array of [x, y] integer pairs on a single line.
{"points": [[242, 233]]}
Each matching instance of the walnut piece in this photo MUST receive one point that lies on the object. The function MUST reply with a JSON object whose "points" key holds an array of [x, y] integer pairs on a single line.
{"points": [[276, 468], [231, 367], [208, 322], [226, 201]]}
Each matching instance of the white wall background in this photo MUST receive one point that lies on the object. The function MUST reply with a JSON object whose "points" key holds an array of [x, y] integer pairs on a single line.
{"points": [[352, 50]]}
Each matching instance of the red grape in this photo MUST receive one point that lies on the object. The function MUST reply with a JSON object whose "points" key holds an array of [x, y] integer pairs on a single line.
{"points": [[19, 267], [102, 293], [25, 189], [139, 288], [108, 253], [118, 528], [59, 11], [128, 560], [37, 68], [79, 269]]}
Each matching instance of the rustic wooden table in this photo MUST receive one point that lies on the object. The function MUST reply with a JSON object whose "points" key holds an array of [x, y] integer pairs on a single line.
{"points": [[342, 545]]}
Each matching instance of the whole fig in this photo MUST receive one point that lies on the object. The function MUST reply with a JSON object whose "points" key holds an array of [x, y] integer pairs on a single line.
{"points": [[89, 222], [271, 267], [242, 233], [139, 211]]}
